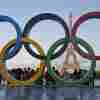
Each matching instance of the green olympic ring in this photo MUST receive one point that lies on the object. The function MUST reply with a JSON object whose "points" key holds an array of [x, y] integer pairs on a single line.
{"points": [[88, 77]]}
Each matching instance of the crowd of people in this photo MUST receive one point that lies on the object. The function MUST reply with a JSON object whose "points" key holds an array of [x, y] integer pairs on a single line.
{"points": [[26, 74], [22, 73]]}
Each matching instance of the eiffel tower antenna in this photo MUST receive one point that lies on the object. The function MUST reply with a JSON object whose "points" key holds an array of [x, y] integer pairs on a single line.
{"points": [[70, 22], [70, 19]]}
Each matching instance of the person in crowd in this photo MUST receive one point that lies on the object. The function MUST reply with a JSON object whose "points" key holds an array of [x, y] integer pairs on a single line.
{"points": [[49, 79]]}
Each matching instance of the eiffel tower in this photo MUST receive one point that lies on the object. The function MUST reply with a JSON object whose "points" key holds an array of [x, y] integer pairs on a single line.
{"points": [[71, 67]]}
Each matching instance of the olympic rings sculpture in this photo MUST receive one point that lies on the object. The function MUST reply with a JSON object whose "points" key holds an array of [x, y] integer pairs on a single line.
{"points": [[23, 39]]}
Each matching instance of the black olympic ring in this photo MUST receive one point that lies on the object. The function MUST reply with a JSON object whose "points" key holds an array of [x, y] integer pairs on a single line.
{"points": [[45, 16]]}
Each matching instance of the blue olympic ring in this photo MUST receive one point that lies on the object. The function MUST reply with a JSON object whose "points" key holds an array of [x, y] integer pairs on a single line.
{"points": [[11, 53]]}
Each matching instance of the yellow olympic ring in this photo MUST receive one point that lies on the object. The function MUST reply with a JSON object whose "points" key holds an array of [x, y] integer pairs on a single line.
{"points": [[5, 73]]}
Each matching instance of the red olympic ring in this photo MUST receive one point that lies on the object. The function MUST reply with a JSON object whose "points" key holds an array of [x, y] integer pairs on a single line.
{"points": [[81, 20]]}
